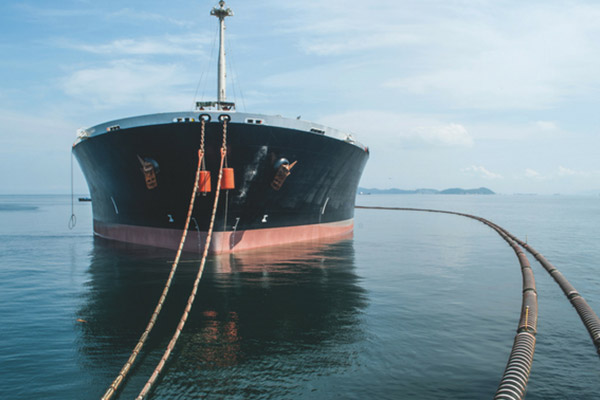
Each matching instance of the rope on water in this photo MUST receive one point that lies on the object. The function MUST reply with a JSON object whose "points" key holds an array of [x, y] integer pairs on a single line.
{"points": [[192, 296], [127, 367]]}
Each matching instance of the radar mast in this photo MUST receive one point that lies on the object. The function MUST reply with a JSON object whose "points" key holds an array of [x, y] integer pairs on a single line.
{"points": [[221, 12]]}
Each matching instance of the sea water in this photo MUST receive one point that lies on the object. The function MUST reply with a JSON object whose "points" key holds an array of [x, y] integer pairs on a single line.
{"points": [[416, 305]]}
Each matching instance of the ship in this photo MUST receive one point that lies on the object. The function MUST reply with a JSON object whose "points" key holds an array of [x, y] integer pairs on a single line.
{"points": [[286, 179]]}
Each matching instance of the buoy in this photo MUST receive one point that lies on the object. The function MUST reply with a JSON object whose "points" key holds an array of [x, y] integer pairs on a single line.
{"points": [[204, 182], [228, 182]]}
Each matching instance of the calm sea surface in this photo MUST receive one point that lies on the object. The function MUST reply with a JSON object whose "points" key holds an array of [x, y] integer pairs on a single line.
{"points": [[416, 305]]}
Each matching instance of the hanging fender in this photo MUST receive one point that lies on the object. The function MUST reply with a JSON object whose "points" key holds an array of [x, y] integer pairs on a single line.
{"points": [[204, 183], [228, 181]]}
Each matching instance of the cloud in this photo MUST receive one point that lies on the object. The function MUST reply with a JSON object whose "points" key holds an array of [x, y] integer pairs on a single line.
{"points": [[560, 173], [481, 172], [54, 13], [530, 173], [96, 12], [505, 62], [480, 55], [347, 28], [360, 42], [191, 44], [567, 172], [397, 129], [547, 125], [126, 82], [130, 14], [446, 135], [48, 131], [498, 128]]}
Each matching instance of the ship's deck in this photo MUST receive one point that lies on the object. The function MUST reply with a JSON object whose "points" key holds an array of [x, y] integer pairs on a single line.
{"points": [[236, 117]]}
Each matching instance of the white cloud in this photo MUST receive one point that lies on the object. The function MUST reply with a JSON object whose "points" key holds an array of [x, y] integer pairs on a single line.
{"points": [[481, 172], [559, 174], [530, 173], [547, 125], [54, 13], [477, 55], [567, 172], [127, 82], [130, 14], [515, 131], [401, 129], [46, 130], [95, 12], [348, 27], [191, 44], [360, 42], [446, 135]]}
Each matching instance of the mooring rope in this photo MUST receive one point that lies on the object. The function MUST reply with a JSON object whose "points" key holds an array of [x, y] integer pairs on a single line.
{"points": [[192, 296], [127, 367], [516, 374]]}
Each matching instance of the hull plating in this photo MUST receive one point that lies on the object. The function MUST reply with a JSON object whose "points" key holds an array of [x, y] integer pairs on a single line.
{"points": [[227, 241], [140, 180]]}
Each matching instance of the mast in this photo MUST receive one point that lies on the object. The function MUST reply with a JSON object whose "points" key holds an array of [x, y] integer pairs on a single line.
{"points": [[221, 12]]}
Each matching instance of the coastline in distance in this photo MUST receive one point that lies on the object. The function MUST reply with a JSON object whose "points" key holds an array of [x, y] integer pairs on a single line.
{"points": [[481, 190]]}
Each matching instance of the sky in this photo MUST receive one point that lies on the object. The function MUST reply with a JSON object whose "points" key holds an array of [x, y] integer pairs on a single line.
{"points": [[452, 93]]}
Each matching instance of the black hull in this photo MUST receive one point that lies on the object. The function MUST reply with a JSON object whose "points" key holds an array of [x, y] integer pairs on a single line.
{"points": [[320, 190]]}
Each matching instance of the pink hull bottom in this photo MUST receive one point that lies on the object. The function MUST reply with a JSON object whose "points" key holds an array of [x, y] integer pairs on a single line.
{"points": [[222, 242]]}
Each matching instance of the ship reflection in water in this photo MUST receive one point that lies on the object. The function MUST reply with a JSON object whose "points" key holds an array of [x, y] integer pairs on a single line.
{"points": [[268, 323]]}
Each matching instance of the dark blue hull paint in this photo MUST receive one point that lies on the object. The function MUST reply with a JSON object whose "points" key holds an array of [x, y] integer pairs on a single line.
{"points": [[321, 188]]}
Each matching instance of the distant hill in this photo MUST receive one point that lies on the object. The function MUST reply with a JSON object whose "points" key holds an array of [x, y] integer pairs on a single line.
{"points": [[481, 190]]}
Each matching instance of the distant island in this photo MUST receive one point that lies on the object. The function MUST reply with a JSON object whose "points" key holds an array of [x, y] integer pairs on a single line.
{"points": [[481, 190]]}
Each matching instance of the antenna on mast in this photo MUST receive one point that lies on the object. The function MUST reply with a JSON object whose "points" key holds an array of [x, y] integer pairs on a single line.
{"points": [[221, 12]]}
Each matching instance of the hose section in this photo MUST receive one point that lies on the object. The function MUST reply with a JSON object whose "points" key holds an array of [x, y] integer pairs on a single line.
{"points": [[516, 375], [586, 313], [513, 384]]}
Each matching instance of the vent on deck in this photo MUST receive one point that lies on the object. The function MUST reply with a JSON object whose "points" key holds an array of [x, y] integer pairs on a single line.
{"points": [[183, 119]]}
